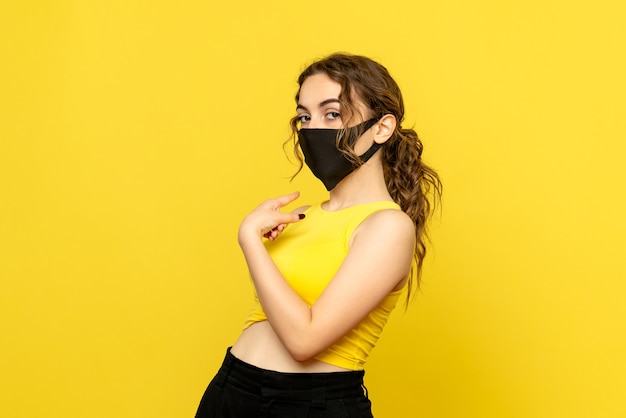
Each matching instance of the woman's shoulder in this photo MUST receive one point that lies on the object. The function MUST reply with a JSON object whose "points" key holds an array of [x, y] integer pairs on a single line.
{"points": [[387, 224], [392, 218]]}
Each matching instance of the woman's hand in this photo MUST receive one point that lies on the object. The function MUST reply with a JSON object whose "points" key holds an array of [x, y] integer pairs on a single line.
{"points": [[267, 220]]}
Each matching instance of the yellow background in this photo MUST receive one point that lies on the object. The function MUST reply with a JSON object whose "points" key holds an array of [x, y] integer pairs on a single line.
{"points": [[134, 135]]}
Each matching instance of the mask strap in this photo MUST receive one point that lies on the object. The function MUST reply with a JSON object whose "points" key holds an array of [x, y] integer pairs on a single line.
{"points": [[368, 154], [364, 127], [375, 146], [354, 132]]}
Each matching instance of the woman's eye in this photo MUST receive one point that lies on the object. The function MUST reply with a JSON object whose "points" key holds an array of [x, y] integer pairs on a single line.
{"points": [[332, 115], [304, 118]]}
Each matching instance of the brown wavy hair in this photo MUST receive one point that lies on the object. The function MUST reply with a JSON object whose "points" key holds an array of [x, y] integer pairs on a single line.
{"points": [[412, 184]]}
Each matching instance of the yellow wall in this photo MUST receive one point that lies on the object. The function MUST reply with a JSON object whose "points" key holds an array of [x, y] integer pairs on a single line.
{"points": [[135, 135]]}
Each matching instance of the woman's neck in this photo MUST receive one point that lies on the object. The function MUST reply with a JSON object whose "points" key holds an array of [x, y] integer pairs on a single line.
{"points": [[364, 185]]}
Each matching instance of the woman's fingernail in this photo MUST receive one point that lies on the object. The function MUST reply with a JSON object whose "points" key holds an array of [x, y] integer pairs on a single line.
{"points": [[301, 215]]}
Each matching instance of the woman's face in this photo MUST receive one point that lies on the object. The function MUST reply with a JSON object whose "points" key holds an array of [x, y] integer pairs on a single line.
{"points": [[318, 108], [318, 105]]}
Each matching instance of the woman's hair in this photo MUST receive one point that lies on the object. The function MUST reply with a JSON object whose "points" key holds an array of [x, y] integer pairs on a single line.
{"points": [[412, 184]]}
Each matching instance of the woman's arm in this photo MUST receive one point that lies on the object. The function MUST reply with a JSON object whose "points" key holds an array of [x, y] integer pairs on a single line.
{"points": [[379, 259]]}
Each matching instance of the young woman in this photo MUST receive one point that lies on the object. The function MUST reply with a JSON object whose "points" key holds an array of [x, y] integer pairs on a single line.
{"points": [[327, 276]]}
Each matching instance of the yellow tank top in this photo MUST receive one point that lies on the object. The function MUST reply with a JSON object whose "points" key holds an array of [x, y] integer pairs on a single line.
{"points": [[308, 254]]}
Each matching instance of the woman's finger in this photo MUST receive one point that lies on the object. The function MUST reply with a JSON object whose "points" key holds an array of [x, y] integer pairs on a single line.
{"points": [[285, 200]]}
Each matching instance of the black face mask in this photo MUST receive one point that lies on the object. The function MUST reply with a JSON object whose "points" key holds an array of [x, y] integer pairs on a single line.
{"points": [[321, 154]]}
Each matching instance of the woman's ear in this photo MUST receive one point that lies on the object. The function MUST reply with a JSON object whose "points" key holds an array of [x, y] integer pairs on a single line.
{"points": [[384, 128]]}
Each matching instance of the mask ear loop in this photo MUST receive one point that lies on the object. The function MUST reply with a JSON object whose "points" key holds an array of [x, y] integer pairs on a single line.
{"points": [[368, 154], [359, 130]]}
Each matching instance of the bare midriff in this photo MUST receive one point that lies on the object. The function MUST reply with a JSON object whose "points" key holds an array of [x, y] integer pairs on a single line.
{"points": [[260, 346]]}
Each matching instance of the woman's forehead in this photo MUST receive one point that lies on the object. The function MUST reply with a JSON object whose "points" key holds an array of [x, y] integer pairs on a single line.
{"points": [[318, 88]]}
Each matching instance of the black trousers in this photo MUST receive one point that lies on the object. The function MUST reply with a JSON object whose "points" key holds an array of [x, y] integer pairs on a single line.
{"points": [[241, 390]]}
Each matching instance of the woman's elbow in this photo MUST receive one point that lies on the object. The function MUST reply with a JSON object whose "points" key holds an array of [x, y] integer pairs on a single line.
{"points": [[303, 351]]}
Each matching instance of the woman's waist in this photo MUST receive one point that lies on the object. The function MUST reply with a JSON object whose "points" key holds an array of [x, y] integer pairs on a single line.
{"points": [[258, 345], [289, 386]]}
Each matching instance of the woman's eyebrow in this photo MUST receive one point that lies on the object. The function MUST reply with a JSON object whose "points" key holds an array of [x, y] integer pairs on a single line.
{"points": [[322, 104]]}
